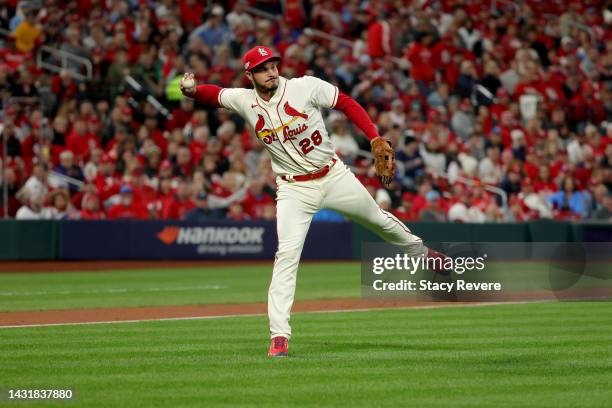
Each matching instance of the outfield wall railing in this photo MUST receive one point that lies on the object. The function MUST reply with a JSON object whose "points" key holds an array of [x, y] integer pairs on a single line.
{"points": [[229, 240], [55, 60]]}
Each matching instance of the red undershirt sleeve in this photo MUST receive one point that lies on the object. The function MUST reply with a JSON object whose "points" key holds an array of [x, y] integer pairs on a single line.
{"points": [[208, 95], [357, 115]]}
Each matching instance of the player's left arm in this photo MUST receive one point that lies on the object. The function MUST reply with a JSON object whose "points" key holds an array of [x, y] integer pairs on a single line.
{"points": [[356, 114], [384, 155], [325, 95]]}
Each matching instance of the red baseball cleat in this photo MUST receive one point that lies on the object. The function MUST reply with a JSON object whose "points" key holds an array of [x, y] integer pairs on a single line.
{"points": [[438, 265], [279, 347]]}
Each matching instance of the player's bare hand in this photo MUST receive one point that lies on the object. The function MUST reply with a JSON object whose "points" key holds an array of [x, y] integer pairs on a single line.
{"points": [[188, 84]]}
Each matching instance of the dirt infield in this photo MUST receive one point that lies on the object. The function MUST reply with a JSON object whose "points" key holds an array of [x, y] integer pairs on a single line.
{"points": [[174, 312], [27, 318], [119, 314], [122, 314]]}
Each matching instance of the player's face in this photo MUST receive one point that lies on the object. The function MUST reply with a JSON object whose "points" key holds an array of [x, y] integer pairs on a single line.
{"points": [[265, 77]]}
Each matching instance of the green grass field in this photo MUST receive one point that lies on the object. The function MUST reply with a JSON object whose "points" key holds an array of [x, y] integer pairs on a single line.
{"points": [[553, 354], [209, 285], [160, 287], [539, 354]]}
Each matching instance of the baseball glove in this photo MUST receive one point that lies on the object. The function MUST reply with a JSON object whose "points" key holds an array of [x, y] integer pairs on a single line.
{"points": [[384, 159]]}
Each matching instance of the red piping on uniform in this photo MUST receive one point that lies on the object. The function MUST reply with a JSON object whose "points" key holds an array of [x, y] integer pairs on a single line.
{"points": [[393, 218], [335, 101], [281, 121], [279, 140]]}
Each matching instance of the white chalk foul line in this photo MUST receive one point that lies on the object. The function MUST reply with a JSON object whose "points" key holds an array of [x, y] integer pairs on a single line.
{"points": [[114, 290], [166, 319]]}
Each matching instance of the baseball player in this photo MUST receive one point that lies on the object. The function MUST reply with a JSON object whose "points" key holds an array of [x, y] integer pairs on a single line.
{"points": [[286, 117]]}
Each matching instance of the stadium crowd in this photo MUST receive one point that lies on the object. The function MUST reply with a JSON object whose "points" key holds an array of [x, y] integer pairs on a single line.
{"points": [[481, 101]]}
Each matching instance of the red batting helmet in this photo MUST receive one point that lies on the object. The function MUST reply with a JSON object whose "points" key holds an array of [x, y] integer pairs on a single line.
{"points": [[257, 56]]}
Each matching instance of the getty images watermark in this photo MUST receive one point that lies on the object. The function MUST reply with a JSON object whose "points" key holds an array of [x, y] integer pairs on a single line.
{"points": [[442, 266], [489, 271]]}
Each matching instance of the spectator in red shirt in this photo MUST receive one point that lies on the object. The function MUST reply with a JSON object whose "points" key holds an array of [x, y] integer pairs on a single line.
{"points": [[180, 116], [191, 12], [444, 49], [176, 207], [236, 212], [91, 208], [501, 104], [220, 72], [380, 38], [142, 192], [80, 141], [405, 211], [544, 183], [530, 83], [119, 137], [420, 55], [165, 193], [127, 207], [31, 145], [419, 201], [165, 170], [107, 181], [63, 86], [155, 133], [256, 199], [199, 143]]}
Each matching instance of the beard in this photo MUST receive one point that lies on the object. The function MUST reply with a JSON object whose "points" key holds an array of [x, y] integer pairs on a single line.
{"points": [[268, 86]]}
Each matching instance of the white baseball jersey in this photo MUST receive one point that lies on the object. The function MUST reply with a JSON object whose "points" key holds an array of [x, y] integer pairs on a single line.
{"points": [[290, 124], [292, 129]]}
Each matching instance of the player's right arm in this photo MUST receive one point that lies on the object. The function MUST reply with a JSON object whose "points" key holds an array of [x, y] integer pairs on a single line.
{"points": [[211, 95], [205, 94]]}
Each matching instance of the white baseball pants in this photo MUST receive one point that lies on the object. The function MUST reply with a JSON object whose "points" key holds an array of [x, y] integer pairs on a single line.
{"points": [[297, 202]]}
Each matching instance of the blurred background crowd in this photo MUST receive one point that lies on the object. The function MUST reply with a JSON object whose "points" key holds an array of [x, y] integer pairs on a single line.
{"points": [[499, 111]]}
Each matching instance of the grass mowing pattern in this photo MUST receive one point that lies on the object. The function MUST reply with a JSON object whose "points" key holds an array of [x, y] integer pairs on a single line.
{"points": [[223, 284], [160, 287], [550, 354]]}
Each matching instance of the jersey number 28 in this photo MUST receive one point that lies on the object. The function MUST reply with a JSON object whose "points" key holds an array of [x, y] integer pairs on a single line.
{"points": [[316, 140]]}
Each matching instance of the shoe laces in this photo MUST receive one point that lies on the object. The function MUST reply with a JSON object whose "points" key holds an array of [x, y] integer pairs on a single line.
{"points": [[279, 342]]}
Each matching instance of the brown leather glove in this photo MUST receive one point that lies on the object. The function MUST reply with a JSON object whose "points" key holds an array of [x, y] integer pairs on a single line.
{"points": [[384, 159]]}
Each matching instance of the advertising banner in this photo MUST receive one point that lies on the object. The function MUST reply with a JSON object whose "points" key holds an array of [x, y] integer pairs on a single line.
{"points": [[214, 240]]}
